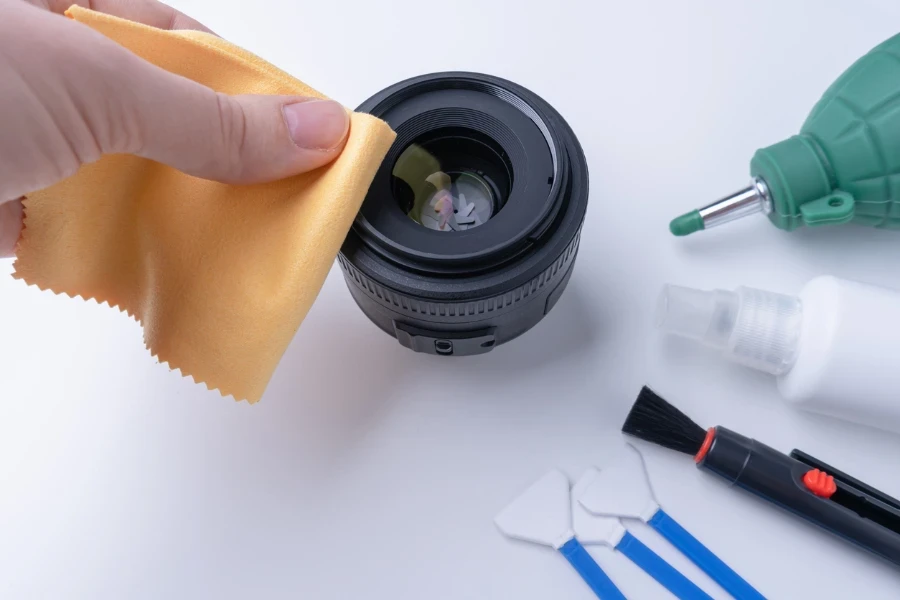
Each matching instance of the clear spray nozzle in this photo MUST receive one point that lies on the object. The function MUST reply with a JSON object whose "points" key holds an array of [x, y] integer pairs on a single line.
{"points": [[704, 316], [752, 327]]}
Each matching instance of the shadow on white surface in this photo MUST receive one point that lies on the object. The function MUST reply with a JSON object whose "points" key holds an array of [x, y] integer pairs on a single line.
{"points": [[689, 356], [879, 247], [331, 388], [730, 241], [810, 238], [567, 332], [803, 247]]}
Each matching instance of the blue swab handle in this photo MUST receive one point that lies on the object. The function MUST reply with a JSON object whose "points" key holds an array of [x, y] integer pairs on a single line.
{"points": [[701, 556], [590, 571], [660, 570]]}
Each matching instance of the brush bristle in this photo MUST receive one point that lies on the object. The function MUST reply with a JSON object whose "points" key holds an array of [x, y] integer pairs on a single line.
{"points": [[654, 420]]}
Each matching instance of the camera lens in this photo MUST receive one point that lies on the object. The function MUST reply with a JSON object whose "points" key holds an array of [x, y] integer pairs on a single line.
{"points": [[469, 231]]}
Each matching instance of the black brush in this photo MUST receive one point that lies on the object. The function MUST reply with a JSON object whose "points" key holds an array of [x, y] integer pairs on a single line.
{"points": [[654, 420], [799, 483]]}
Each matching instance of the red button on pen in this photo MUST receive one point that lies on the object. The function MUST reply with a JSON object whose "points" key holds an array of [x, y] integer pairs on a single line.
{"points": [[820, 483]]}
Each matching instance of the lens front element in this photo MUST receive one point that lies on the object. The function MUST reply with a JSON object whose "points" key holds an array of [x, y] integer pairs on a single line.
{"points": [[450, 180]]}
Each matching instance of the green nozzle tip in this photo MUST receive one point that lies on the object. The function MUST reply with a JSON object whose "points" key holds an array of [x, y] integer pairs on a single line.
{"points": [[687, 223]]}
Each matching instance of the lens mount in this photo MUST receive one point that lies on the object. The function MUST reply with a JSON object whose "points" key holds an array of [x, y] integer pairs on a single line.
{"points": [[513, 167]]}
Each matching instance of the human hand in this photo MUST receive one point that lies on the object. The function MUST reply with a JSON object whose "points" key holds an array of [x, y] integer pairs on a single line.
{"points": [[69, 95]]}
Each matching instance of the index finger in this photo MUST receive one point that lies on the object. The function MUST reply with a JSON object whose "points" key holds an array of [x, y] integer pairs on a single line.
{"points": [[149, 12]]}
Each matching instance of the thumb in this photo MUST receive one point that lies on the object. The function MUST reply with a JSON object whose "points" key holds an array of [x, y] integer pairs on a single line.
{"points": [[234, 139], [237, 139]]}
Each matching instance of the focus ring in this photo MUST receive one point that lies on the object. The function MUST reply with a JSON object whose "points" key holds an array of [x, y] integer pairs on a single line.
{"points": [[465, 310]]}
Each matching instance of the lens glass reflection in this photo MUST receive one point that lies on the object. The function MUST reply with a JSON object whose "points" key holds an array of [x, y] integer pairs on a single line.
{"points": [[451, 182]]}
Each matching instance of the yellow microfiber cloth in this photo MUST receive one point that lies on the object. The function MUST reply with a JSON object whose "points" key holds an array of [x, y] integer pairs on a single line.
{"points": [[220, 276]]}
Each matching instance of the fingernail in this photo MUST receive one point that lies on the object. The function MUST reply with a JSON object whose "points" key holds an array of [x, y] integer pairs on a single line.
{"points": [[317, 124]]}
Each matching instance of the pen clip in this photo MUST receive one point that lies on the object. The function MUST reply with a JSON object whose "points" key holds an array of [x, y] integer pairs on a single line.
{"points": [[857, 496]]}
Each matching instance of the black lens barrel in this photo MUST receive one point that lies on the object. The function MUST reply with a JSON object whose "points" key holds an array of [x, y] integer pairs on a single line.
{"points": [[465, 292]]}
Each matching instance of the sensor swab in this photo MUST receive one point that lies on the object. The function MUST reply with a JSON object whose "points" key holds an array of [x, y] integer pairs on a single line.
{"points": [[609, 531], [622, 489], [543, 515]]}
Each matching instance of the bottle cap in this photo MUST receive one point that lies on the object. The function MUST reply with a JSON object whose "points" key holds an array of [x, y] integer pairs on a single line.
{"points": [[756, 328]]}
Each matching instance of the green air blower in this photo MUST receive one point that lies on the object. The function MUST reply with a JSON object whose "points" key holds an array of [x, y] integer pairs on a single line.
{"points": [[843, 166]]}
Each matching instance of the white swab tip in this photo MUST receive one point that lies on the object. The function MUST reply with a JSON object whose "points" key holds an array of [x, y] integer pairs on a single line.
{"points": [[621, 489], [541, 514], [593, 529]]}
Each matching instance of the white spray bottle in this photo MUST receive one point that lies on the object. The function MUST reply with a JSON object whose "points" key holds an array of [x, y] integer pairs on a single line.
{"points": [[835, 348]]}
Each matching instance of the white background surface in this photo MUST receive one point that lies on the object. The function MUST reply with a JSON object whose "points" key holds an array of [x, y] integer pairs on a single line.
{"points": [[370, 472]]}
